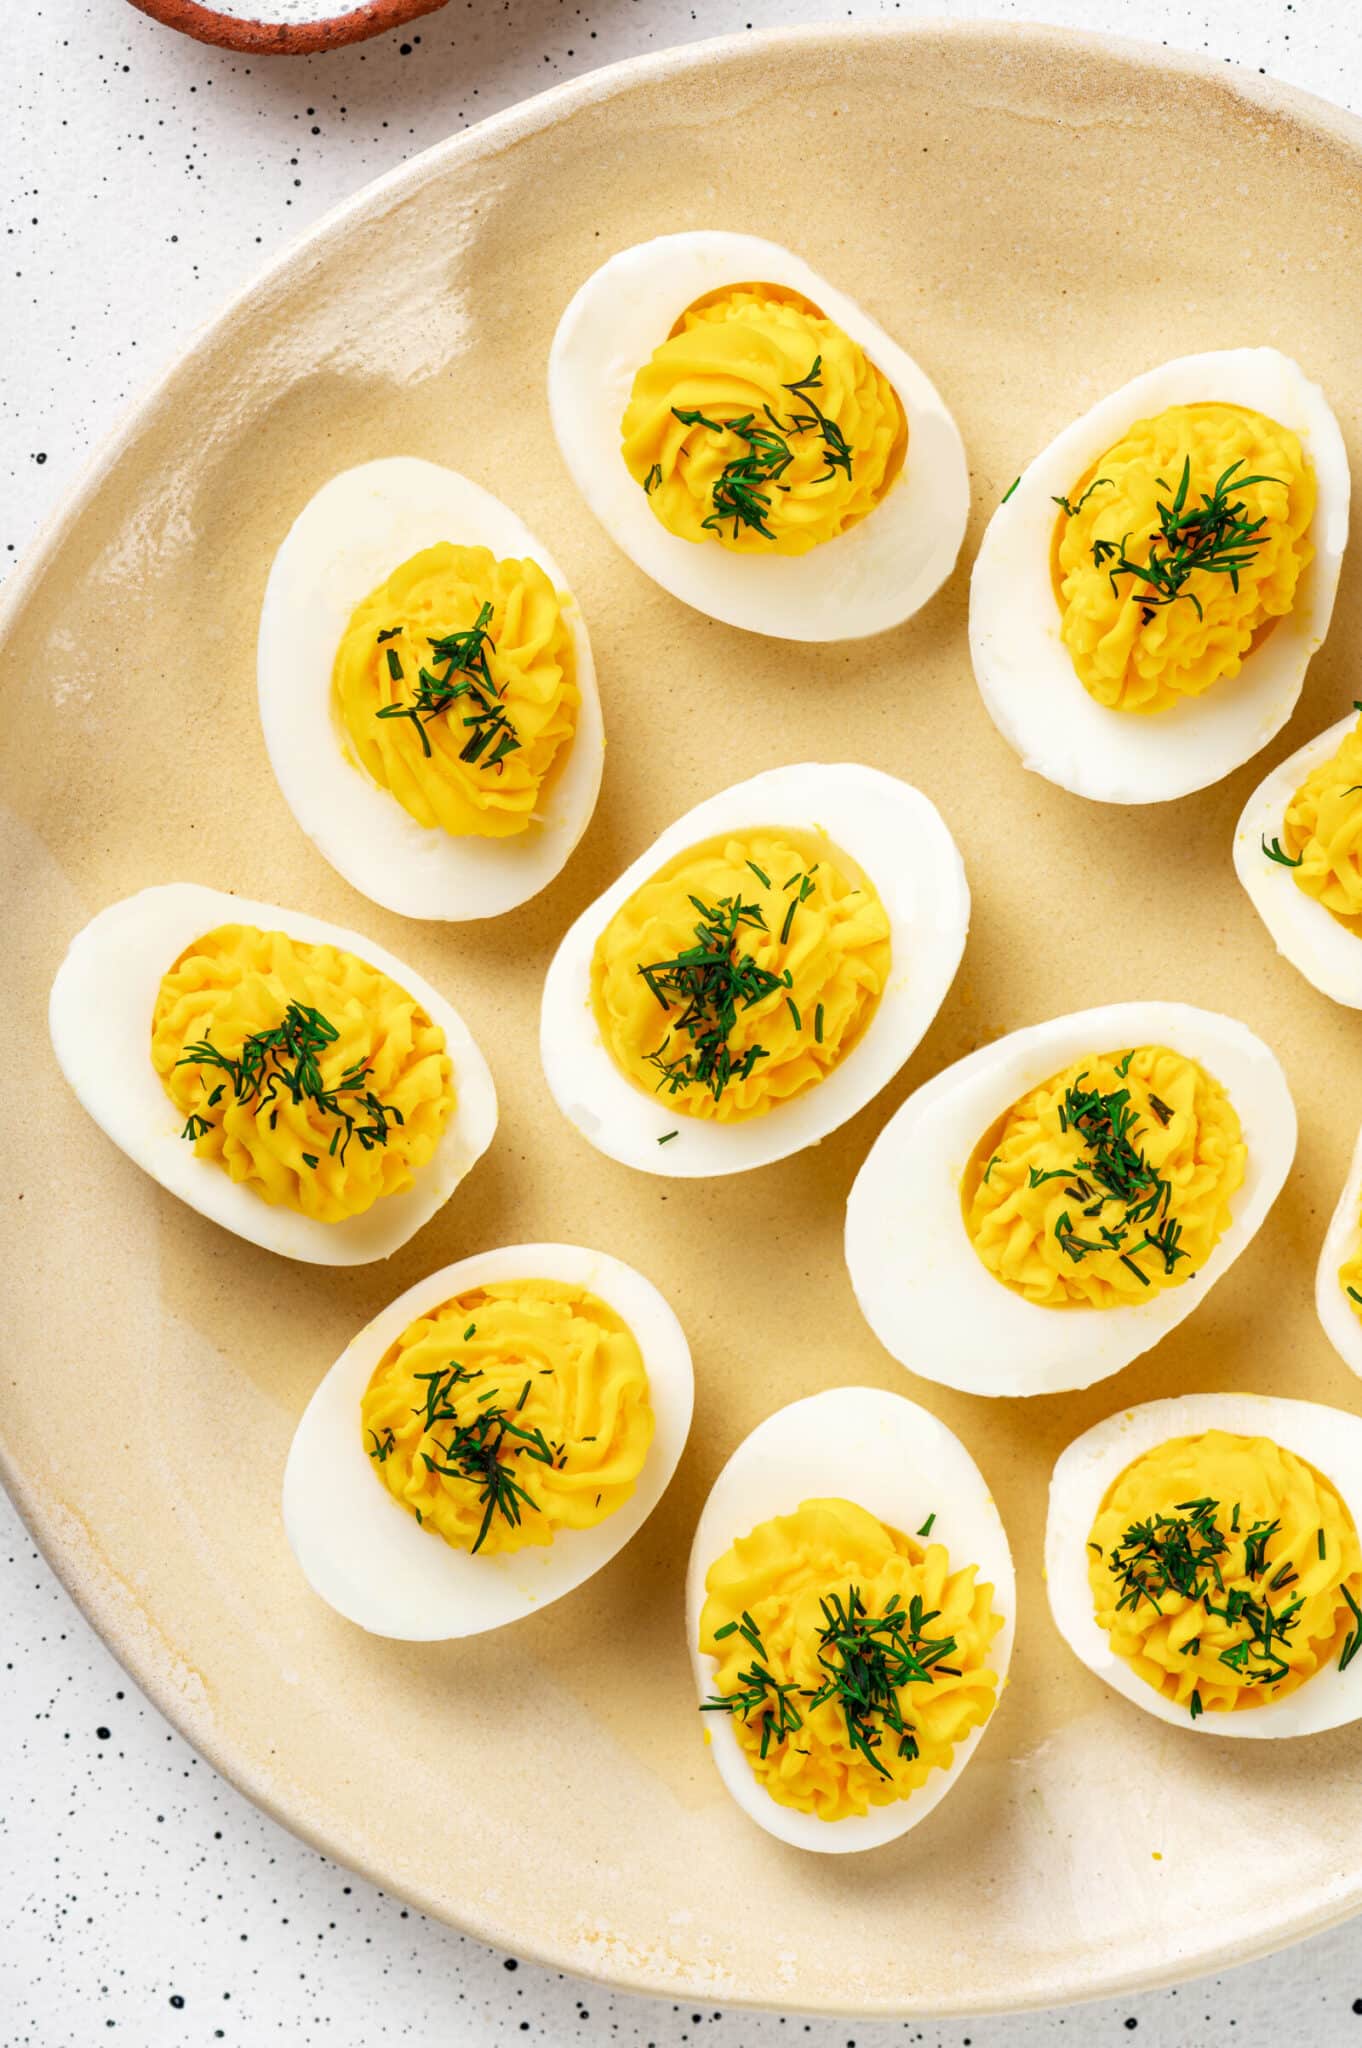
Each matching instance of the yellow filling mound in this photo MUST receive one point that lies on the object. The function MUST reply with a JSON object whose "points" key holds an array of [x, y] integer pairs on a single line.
{"points": [[791, 1609], [1108, 1183], [1218, 1565], [310, 1076], [499, 689], [1322, 830], [741, 973], [761, 425], [1133, 650], [511, 1412]]}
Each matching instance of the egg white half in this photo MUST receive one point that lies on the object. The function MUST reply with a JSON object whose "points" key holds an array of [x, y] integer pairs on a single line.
{"points": [[372, 1561], [900, 840], [100, 1017], [1327, 1438], [1324, 951], [921, 1285], [875, 575], [1025, 672], [1341, 1324], [347, 539], [900, 1464]]}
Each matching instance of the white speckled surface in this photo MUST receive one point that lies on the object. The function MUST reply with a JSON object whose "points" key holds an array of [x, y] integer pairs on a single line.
{"points": [[144, 178]]}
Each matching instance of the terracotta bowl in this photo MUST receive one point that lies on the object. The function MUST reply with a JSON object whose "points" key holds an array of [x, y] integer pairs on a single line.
{"points": [[281, 38]]}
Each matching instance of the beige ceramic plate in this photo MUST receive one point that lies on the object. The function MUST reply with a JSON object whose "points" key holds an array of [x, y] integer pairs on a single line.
{"points": [[1037, 217]]}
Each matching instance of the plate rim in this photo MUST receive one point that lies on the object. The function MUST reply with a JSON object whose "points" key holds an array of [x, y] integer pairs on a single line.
{"points": [[95, 1591]]}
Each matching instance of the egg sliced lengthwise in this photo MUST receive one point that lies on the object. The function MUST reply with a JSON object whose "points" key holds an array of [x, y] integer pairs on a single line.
{"points": [[860, 821], [113, 972], [921, 1282], [867, 578]]}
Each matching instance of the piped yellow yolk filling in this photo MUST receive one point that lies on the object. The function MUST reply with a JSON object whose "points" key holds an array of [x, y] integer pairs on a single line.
{"points": [[510, 1413], [760, 424], [1209, 564], [742, 973], [1322, 831], [1108, 1183], [1218, 1565], [455, 685], [801, 1612], [308, 1075]]}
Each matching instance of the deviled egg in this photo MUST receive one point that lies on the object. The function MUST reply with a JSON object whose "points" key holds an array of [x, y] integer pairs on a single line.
{"points": [[1052, 1205], [1298, 852], [1338, 1276], [849, 1610], [1202, 1558], [759, 974], [280, 1074], [427, 692], [488, 1441], [1147, 596], [754, 442]]}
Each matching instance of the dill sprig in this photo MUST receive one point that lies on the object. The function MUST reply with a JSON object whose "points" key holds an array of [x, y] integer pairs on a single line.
{"points": [[284, 1063], [1113, 1170], [465, 673], [865, 1659], [758, 1692], [480, 1452], [1276, 851], [1215, 538], [742, 490], [710, 982], [1187, 1553]]}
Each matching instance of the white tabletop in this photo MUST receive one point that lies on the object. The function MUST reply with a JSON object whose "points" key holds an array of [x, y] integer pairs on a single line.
{"points": [[141, 1899]]}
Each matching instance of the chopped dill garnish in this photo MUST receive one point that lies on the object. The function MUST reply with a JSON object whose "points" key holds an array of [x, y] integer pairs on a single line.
{"points": [[1187, 1554], [481, 1452], [285, 1062], [1107, 1126], [989, 1168], [818, 1025], [1276, 851], [710, 982], [1353, 1640], [1010, 489], [667, 1137], [465, 674], [865, 1661], [383, 1445], [1073, 510], [653, 479], [742, 490], [926, 1528], [793, 1008], [1353, 1295], [1216, 538]]}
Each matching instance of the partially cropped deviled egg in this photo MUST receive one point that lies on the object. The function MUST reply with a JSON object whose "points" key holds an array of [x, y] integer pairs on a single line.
{"points": [[1202, 1558], [489, 1441], [754, 442], [1338, 1277], [1149, 592], [1298, 852], [427, 692], [849, 1609], [759, 974], [1046, 1209], [278, 1073]]}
